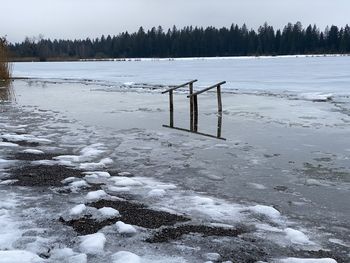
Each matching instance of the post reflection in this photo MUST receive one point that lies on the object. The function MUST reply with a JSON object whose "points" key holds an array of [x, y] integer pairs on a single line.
{"points": [[6, 91], [194, 126]]}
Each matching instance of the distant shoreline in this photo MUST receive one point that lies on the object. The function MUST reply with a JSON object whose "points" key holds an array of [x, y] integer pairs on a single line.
{"points": [[37, 59]]}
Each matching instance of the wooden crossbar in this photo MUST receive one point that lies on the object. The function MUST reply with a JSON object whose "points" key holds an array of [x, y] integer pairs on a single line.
{"points": [[206, 89], [180, 86]]}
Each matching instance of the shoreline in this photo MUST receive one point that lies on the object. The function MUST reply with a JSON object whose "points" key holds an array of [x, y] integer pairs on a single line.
{"points": [[37, 59]]}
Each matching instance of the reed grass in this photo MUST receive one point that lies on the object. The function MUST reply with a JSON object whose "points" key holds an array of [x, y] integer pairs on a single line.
{"points": [[6, 90], [5, 65]]}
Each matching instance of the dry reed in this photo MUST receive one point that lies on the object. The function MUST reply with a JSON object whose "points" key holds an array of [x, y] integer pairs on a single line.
{"points": [[6, 91], [5, 65]]}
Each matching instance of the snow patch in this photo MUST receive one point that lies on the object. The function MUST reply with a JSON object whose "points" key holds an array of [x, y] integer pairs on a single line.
{"points": [[125, 229], [16, 256], [315, 96], [8, 182], [125, 257], [124, 174], [212, 256], [297, 237], [314, 182], [67, 255], [75, 186], [266, 210], [8, 144], [92, 244], [97, 174], [33, 151], [95, 195], [109, 212], [68, 180], [125, 181], [157, 193], [25, 137], [118, 189], [77, 210], [94, 166]]}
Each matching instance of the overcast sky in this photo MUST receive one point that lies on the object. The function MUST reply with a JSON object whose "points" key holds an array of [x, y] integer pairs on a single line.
{"points": [[92, 18]]}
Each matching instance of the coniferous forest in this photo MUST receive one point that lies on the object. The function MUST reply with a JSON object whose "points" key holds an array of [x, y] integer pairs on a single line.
{"points": [[191, 42]]}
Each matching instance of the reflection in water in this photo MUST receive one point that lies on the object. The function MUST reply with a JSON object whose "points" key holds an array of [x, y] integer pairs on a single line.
{"points": [[194, 108], [194, 126], [6, 91]]}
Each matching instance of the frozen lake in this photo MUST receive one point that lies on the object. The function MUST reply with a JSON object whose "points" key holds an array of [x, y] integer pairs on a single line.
{"points": [[282, 174], [292, 74]]}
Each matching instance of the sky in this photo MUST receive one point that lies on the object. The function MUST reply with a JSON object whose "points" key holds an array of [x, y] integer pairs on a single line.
{"points": [[76, 19]]}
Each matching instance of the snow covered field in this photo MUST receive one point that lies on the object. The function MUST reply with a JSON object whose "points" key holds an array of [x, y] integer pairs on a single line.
{"points": [[88, 173]]}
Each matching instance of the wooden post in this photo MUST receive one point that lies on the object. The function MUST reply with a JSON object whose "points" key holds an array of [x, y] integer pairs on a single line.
{"points": [[219, 100], [191, 107], [171, 107], [219, 125], [195, 105]]}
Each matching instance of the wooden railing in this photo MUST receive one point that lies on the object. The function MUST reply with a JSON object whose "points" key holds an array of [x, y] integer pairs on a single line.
{"points": [[194, 107], [194, 102], [171, 98]]}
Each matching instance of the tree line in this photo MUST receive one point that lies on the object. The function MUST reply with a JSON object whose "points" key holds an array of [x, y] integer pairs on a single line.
{"points": [[192, 42]]}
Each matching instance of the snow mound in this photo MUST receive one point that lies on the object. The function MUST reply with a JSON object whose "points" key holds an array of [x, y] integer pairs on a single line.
{"points": [[25, 137], [92, 244], [88, 153], [67, 255], [125, 257], [266, 210], [93, 150], [125, 181], [212, 256], [315, 182], [33, 151], [109, 212], [77, 210], [8, 144], [97, 174], [125, 229], [199, 200], [68, 180], [68, 158], [7, 182], [124, 174], [297, 237], [315, 96], [118, 189], [308, 260], [95, 166], [78, 184], [157, 193], [19, 256], [95, 195]]}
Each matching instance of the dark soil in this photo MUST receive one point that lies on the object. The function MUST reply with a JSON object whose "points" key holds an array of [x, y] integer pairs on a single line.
{"points": [[33, 157], [242, 251], [171, 233], [130, 213], [86, 225], [22, 143], [43, 175], [137, 214]]}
